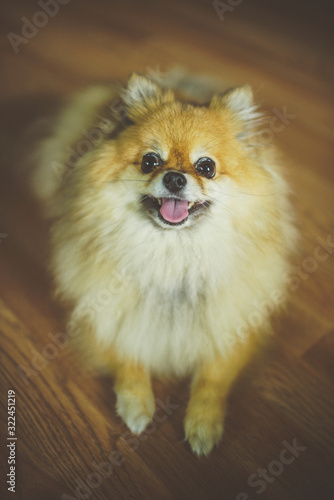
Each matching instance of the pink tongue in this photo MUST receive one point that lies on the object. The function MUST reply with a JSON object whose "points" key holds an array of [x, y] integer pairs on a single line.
{"points": [[174, 210]]}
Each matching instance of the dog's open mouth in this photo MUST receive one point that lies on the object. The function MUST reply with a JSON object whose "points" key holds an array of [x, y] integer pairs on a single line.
{"points": [[173, 211]]}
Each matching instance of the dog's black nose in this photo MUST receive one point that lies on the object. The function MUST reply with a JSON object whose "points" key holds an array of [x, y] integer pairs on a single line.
{"points": [[174, 181]]}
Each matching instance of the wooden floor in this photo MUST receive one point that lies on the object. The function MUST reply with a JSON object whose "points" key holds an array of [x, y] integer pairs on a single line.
{"points": [[65, 419]]}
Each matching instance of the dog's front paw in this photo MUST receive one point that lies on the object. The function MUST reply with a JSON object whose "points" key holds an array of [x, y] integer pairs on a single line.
{"points": [[136, 411], [203, 428]]}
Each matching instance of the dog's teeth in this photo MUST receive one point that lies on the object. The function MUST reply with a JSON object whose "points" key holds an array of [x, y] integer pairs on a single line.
{"points": [[191, 204], [159, 201]]}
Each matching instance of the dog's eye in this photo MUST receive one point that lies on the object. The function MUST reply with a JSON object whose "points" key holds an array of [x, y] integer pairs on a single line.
{"points": [[206, 167], [149, 162]]}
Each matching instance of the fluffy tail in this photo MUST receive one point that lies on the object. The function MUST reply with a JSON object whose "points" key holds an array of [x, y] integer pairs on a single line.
{"points": [[74, 132]]}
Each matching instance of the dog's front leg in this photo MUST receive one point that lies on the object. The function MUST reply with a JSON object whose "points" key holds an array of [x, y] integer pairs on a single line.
{"points": [[209, 390], [135, 399]]}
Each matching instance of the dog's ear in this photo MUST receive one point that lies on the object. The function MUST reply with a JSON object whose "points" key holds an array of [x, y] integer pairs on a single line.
{"points": [[143, 95], [239, 102]]}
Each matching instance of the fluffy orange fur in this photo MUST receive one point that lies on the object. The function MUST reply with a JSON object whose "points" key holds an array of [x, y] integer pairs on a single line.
{"points": [[186, 287]]}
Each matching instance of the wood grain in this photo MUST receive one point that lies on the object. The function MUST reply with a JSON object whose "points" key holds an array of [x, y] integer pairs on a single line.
{"points": [[66, 423]]}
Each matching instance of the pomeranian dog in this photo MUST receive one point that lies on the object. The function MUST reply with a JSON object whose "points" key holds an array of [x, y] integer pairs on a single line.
{"points": [[169, 192]]}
